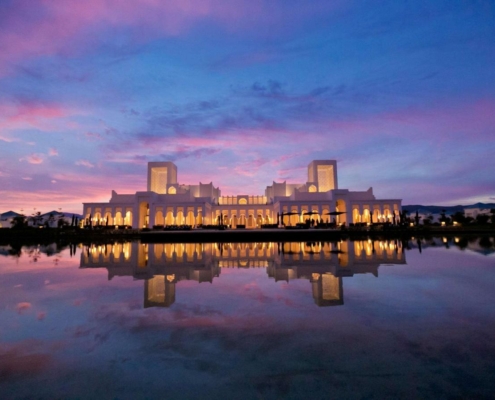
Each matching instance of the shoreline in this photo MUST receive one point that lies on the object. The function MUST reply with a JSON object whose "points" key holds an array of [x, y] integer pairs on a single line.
{"points": [[235, 235]]}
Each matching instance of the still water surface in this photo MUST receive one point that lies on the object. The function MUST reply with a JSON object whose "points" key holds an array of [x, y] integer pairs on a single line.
{"points": [[364, 319]]}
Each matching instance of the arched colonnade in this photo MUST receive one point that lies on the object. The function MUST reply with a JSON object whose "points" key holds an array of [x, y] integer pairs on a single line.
{"points": [[376, 213], [243, 217], [108, 216]]}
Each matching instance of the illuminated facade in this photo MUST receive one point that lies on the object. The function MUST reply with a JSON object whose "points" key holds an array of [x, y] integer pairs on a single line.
{"points": [[163, 265], [166, 202]]}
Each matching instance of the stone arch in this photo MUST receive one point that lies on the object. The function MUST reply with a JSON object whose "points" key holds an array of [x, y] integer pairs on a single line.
{"points": [[128, 218], [169, 218], [159, 220], [294, 219], [199, 218], [118, 220], [366, 216], [180, 218], [356, 216], [190, 218], [376, 214], [285, 219], [225, 218], [259, 220], [108, 217], [242, 201], [341, 207], [97, 218], [144, 209], [316, 216], [387, 213]]}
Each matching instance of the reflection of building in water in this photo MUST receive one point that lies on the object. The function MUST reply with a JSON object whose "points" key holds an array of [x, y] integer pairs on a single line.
{"points": [[324, 264], [159, 291]]}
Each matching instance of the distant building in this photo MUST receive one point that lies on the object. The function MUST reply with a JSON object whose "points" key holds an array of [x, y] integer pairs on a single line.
{"points": [[167, 202], [474, 212], [50, 219], [7, 218]]}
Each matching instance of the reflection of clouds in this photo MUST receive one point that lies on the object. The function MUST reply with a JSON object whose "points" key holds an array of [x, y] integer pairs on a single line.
{"points": [[22, 307], [22, 359], [221, 338]]}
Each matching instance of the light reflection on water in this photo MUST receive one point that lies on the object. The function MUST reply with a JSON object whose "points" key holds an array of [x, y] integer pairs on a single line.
{"points": [[162, 266], [249, 320]]}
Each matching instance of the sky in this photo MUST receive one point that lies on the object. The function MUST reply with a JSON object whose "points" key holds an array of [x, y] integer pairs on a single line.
{"points": [[244, 93]]}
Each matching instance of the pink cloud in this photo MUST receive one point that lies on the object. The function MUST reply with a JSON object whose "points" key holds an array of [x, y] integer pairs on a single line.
{"points": [[7, 139], [75, 188], [23, 359], [475, 119], [43, 116], [33, 159], [85, 163], [68, 25], [245, 143], [22, 307], [53, 152]]}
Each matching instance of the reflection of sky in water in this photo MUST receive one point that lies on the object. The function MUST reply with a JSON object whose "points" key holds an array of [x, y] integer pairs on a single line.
{"points": [[421, 329]]}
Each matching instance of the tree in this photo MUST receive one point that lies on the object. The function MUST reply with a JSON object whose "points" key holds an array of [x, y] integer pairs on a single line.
{"points": [[50, 220], [36, 219], [443, 218], [428, 220], [482, 219], [417, 218], [485, 242], [62, 222], [19, 222], [459, 217]]}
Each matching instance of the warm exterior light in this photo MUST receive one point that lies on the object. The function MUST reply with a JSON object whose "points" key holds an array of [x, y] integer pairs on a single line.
{"points": [[317, 197]]}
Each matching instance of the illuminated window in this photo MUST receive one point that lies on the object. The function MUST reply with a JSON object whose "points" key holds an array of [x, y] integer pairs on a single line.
{"points": [[159, 180], [172, 190], [312, 189], [242, 201], [325, 178]]}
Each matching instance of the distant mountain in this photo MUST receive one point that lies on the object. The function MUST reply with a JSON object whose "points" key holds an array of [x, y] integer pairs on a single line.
{"points": [[448, 209]]}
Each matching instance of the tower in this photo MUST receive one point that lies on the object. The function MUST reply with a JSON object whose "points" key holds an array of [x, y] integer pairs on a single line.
{"points": [[323, 174], [161, 175]]}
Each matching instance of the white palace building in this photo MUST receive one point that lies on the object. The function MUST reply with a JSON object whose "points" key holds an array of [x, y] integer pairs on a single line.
{"points": [[166, 202]]}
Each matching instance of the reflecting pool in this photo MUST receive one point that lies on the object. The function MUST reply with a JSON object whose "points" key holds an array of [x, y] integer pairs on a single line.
{"points": [[351, 319]]}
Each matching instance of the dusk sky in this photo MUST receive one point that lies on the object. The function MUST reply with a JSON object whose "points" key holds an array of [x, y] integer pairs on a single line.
{"points": [[244, 92]]}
